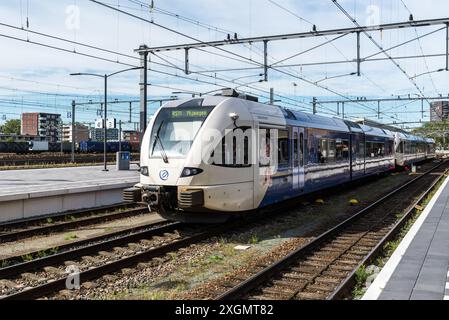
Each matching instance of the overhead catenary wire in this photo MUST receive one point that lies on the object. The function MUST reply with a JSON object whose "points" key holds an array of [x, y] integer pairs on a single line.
{"points": [[93, 47], [340, 7], [421, 48], [224, 50], [159, 57]]}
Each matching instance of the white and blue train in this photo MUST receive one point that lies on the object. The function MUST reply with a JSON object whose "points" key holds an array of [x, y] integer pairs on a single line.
{"points": [[206, 159]]}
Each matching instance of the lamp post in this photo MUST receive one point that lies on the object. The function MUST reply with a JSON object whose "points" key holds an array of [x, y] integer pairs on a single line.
{"points": [[105, 77]]}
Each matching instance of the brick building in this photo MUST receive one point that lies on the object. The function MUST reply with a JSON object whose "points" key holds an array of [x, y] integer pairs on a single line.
{"points": [[41, 124], [81, 133], [131, 136], [439, 111]]}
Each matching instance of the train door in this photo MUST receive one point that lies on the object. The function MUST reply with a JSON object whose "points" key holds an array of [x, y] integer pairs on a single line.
{"points": [[298, 158]]}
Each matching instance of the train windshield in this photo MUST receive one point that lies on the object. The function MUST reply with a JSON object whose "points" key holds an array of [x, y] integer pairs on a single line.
{"points": [[174, 131]]}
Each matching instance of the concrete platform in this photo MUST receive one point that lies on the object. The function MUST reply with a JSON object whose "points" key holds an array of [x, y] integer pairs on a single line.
{"points": [[35, 192], [419, 268]]}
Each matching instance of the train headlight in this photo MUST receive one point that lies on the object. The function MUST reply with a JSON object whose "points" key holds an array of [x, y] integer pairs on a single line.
{"points": [[190, 172], [144, 171]]}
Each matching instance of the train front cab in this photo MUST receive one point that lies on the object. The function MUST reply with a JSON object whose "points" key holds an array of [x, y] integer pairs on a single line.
{"points": [[379, 150], [409, 149], [430, 148], [199, 181]]}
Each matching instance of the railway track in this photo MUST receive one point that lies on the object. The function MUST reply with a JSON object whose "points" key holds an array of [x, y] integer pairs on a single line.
{"points": [[56, 160], [71, 220], [101, 256], [40, 277], [325, 268], [25, 160]]}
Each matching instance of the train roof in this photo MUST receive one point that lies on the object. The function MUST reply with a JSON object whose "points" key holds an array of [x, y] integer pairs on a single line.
{"points": [[299, 118], [315, 121], [411, 137], [206, 101], [373, 131]]}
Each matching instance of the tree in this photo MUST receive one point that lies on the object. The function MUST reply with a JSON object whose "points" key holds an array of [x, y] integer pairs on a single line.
{"points": [[438, 130], [12, 126]]}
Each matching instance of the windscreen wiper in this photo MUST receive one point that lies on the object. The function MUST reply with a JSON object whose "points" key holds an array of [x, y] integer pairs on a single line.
{"points": [[163, 153], [158, 138]]}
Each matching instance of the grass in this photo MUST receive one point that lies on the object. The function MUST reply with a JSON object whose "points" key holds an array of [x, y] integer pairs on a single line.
{"points": [[70, 236], [27, 257], [49, 220], [360, 279], [4, 264], [215, 258], [156, 295], [254, 239], [42, 254]]}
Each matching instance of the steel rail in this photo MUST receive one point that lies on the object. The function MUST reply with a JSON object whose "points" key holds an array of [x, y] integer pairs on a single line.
{"points": [[58, 216], [91, 245], [81, 222], [343, 289], [267, 273], [97, 272]]}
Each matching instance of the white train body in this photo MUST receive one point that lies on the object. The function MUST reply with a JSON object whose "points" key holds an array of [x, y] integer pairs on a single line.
{"points": [[268, 155]]}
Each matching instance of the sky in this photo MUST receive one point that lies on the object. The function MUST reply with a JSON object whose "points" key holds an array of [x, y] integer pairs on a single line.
{"points": [[37, 78]]}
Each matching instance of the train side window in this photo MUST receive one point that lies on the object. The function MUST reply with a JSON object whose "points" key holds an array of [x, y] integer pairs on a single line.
{"points": [[322, 153], [375, 149], [264, 145], [301, 149], [342, 150], [234, 156], [283, 149], [361, 151], [332, 151], [295, 150], [326, 151], [401, 147], [390, 148]]}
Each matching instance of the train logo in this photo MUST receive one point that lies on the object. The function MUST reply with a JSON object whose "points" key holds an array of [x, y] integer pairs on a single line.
{"points": [[163, 174]]}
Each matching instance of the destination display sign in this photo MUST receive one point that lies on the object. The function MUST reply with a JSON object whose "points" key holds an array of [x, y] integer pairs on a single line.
{"points": [[190, 113]]}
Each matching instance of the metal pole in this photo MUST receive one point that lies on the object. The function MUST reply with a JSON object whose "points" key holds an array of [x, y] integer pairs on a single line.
{"points": [[378, 109], [422, 108], [143, 91], [73, 130], [314, 105], [271, 96], [187, 61], [105, 127], [265, 59], [358, 54], [338, 108], [60, 139], [120, 135], [343, 109], [447, 46], [130, 112]]}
